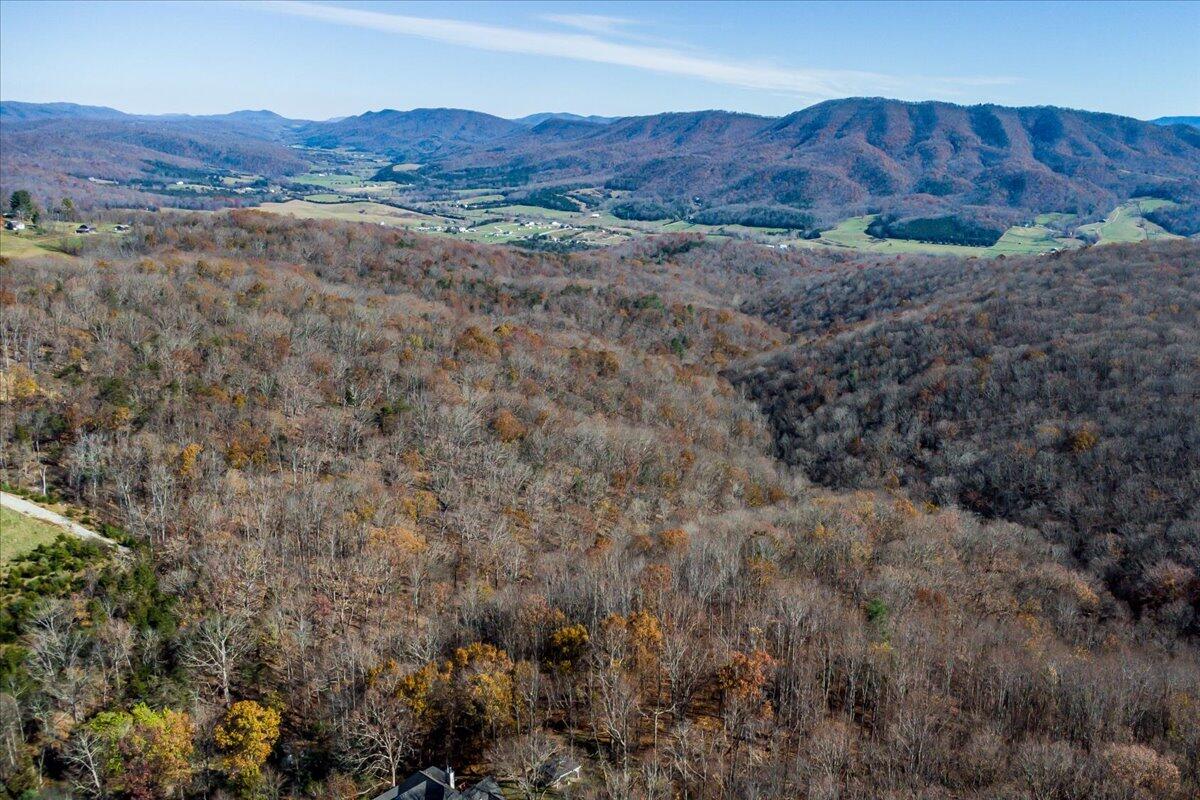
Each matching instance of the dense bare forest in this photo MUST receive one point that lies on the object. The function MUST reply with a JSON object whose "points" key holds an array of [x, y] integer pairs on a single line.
{"points": [[1059, 392], [392, 501]]}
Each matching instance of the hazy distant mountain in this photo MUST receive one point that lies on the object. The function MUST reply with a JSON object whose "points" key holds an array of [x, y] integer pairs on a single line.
{"points": [[415, 134], [119, 148], [248, 121], [1193, 121], [536, 119], [65, 156], [15, 110], [252, 123]]}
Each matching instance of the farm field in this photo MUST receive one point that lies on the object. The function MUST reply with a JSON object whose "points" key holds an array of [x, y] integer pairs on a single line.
{"points": [[852, 234], [1126, 223], [360, 211], [479, 198], [1024, 240], [1017, 240]]}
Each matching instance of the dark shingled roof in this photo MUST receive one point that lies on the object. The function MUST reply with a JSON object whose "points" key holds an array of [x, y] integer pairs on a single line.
{"points": [[433, 783], [430, 783], [486, 789]]}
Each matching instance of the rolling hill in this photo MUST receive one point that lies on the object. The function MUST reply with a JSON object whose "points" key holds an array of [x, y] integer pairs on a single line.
{"points": [[75, 156], [849, 156]]}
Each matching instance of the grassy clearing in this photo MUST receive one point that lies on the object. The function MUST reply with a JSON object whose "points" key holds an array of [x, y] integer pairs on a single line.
{"points": [[483, 198], [1053, 218], [20, 534], [1018, 240], [19, 245], [537, 211], [50, 240], [331, 180], [1148, 204], [326, 198], [1030, 239], [239, 180], [852, 234], [1126, 223], [361, 211], [505, 232]]}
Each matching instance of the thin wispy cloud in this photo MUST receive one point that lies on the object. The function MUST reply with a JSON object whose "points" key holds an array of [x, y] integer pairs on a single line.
{"points": [[593, 47], [592, 23]]}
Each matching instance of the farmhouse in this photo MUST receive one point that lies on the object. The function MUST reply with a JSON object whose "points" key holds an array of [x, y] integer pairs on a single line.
{"points": [[14, 225]]}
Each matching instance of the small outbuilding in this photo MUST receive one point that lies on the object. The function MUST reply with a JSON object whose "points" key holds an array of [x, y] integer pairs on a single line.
{"points": [[558, 771]]}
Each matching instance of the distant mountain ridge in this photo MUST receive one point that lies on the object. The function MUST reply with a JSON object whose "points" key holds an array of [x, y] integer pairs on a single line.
{"points": [[869, 154], [416, 134], [536, 119], [15, 110], [993, 165], [1193, 121]]}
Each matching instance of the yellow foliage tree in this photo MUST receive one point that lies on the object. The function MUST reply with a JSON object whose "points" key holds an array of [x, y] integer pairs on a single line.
{"points": [[567, 647], [245, 737], [187, 459]]}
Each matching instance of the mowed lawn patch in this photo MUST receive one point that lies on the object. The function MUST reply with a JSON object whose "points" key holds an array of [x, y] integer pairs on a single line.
{"points": [[20, 534], [31, 245]]}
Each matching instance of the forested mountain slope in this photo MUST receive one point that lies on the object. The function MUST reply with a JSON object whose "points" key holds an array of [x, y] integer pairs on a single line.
{"points": [[398, 501], [83, 158], [842, 157], [1059, 392], [411, 135], [967, 172]]}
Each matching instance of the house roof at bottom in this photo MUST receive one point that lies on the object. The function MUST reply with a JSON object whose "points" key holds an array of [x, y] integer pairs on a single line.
{"points": [[434, 784], [486, 789], [430, 783]]}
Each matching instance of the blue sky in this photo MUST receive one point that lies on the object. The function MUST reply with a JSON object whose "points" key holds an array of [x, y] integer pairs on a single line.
{"points": [[317, 60]]}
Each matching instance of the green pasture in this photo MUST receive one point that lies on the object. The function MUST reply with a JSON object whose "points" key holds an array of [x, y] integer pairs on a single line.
{"points": [[1126, 223]]}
